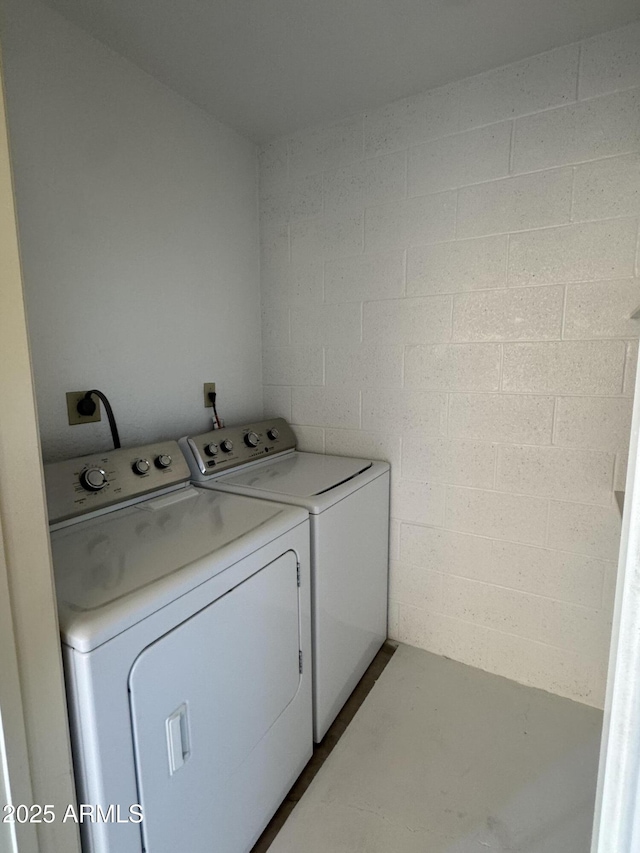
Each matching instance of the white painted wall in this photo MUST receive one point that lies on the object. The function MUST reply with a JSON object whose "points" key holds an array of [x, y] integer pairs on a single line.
{"points": [[447, 284], [139, 239]]}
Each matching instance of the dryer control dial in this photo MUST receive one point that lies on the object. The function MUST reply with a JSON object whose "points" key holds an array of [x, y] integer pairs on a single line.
{"points": [[93, 479], [141, 466], [273, 433], [226, 446], [251, 439], [163, 461]]}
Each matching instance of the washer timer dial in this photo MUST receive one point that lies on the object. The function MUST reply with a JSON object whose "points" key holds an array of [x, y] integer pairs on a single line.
{"points": [[251, 439], [163, 461], [93, 479]]}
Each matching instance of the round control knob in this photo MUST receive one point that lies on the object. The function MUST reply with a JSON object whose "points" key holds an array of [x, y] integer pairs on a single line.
{"points": [[141, 466], [226, 446], [211, 449], [251, 439], [273, 433], [93, 479], [163, 461]]}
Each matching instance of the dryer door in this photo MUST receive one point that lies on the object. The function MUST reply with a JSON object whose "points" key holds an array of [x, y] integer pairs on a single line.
{"points": [[203, 698]]}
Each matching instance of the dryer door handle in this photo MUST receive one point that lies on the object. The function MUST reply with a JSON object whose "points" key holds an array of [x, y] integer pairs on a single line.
{"points": [[177, 739]]}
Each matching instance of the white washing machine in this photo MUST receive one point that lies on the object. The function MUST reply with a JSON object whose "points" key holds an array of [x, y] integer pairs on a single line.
{"points": [[185, 622], [348, 504]]}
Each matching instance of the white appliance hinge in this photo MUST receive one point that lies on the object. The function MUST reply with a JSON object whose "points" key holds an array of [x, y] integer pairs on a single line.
{"points": [[300, 661], [298, 573]]}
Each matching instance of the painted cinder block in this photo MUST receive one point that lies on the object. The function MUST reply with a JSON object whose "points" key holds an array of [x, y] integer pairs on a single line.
{"points": [[275, 326], [326, 324], [276, 401], [585, 529], [363, 444], [610, 62], [603, 423], [401, 124], [602, 309], [458, 160], [515, 204], [297, 198], [587, 130], [440, 460], [515, 314], [507, 418], [538, 83], [415, 320], [556, 472], [630, 368], [564, 367], [419, 503], [607, 189], [590, 251], [453, 367], [309, 439], [404, 410], [325, 237], [364, 366], [364, 183], [292, 365], [517, 518], [468, 356], [326, 407], [326, 147], [457, 266], [427, 219], [364, 277]]}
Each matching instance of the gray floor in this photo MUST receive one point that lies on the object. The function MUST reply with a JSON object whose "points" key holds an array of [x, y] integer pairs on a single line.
{"points": [[443, 758], [321, 751]]}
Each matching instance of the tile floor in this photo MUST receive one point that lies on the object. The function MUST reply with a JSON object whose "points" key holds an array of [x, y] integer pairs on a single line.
{"points": [[443, 758]]}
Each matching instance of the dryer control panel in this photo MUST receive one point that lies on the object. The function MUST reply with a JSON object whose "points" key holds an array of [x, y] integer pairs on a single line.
{"points": [[88, 483], [212, 452]]}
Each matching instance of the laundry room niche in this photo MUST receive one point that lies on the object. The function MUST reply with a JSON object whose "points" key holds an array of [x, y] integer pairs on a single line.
{"points": [[138, 227]]}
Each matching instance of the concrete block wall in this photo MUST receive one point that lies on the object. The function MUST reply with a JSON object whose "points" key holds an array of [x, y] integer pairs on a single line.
{"points": [[446, 284]]}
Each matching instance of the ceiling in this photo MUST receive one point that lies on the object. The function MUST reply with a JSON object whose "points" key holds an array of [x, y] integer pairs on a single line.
{"points": [[270, 67]]}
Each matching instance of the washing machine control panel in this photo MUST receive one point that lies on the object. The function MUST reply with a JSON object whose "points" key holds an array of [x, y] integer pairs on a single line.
{"points": [[87, 483], [237, 445]]}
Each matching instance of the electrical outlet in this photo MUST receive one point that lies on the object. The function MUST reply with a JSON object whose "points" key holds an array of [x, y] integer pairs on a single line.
{"points": [[72, 409], [209, 388]]}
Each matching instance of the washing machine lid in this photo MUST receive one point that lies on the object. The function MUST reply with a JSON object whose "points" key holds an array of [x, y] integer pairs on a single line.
{"points": [[298, 475], [116, 569]]}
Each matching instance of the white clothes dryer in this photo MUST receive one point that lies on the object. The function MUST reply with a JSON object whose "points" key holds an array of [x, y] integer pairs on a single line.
{"points": [[185, 622], [348, 504]]}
